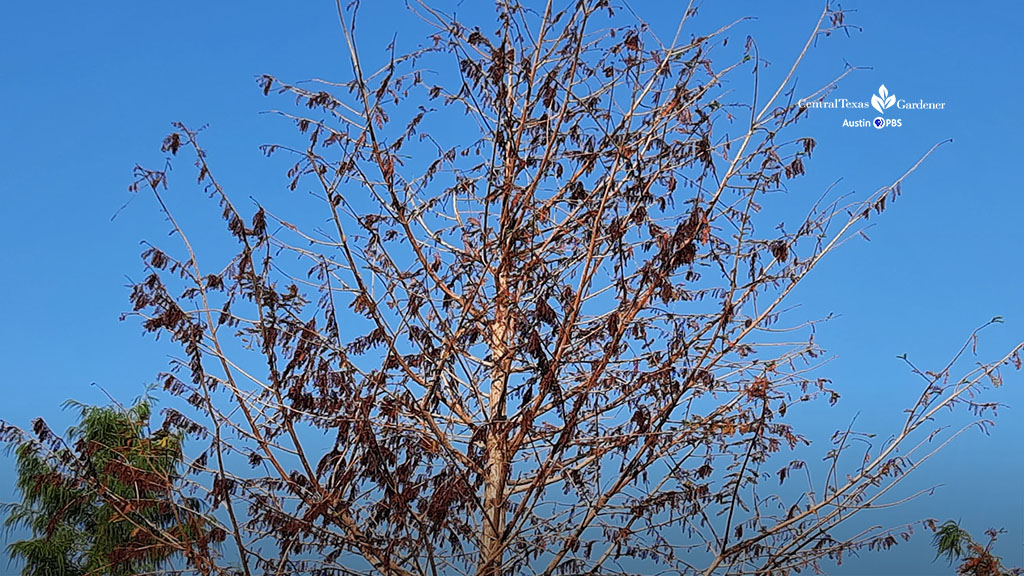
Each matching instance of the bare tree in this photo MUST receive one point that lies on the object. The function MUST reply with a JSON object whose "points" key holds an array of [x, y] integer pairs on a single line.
{"points": [[531, 321]]}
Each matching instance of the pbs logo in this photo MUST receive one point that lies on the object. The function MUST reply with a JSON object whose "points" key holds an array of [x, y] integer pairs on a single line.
{"points": [[880, 122]]}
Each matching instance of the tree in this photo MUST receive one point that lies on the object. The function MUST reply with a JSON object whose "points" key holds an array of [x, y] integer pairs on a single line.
{"points": [[103, 500], [955, 543], [532, 317]]}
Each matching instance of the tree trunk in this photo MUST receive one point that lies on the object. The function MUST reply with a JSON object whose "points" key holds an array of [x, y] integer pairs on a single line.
{"points": [[497, 466]]}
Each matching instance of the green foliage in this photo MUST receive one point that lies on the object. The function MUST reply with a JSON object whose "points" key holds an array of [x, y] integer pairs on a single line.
{"points": [[951, 541], [955, 543], [105, 500]]}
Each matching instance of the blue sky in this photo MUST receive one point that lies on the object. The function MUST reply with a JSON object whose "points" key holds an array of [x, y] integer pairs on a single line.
{"points": [[88, 92]]}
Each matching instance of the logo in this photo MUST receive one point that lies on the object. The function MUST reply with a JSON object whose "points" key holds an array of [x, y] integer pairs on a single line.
{"points": [[882, 100], [880, 122]]}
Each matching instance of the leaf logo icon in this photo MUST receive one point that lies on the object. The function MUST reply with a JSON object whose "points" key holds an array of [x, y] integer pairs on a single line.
{"points": [[883, 99]]}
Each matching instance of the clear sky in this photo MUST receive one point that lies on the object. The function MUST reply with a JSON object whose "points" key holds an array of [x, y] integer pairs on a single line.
{"points": [[88, 92]]}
